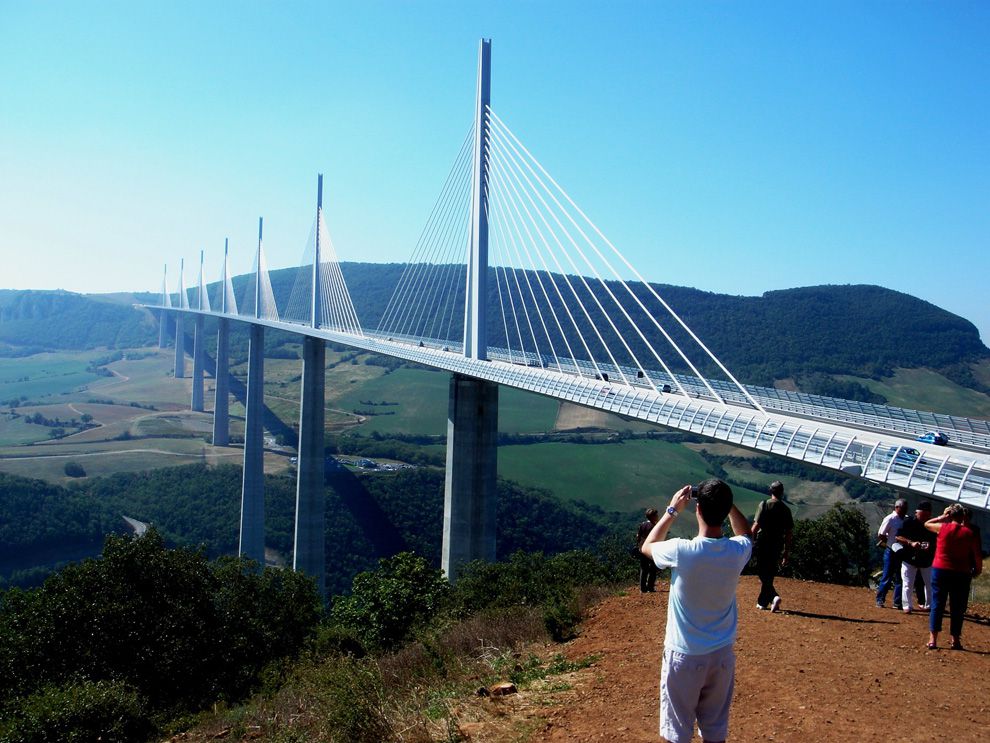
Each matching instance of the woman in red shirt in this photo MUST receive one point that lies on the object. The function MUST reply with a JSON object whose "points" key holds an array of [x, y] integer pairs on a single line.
{"points": [[957, 561]]}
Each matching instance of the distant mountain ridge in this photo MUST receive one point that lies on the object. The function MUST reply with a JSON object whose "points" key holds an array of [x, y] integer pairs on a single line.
{"points": [[863, 330]]}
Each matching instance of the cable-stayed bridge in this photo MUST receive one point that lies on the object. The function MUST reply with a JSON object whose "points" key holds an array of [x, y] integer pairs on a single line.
{"points": [[512, 284]]}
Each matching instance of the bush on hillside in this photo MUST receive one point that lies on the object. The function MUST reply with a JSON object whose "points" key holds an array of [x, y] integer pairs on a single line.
{"points": [[74, 469], [178, 629], [106, 711], [834, 548], [386, 605]]}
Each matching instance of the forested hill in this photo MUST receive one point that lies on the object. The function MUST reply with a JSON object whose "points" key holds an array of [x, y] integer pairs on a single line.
{"points": [[59, 320], [860, 329]]}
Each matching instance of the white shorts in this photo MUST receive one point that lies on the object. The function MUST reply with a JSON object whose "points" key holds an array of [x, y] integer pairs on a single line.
{"points": [[696, 687]]}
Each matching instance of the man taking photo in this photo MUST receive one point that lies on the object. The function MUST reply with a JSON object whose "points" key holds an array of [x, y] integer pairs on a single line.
{"points": [[699, 663]]}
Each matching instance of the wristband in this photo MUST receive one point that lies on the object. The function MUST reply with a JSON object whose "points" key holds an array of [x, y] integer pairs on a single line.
{"points": [[671, 511]]}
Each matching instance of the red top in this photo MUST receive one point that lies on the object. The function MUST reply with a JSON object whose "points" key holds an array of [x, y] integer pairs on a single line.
{"points": [[956, 548]]}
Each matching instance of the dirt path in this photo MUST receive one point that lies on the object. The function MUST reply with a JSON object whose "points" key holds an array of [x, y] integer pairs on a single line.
{"points": [[829, 667]]}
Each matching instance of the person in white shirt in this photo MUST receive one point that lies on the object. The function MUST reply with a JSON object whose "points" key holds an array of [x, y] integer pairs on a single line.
{"points": [[699, 663], [887, 534]]}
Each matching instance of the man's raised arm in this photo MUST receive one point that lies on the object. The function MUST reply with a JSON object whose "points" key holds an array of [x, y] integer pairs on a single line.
{"points": [[659, 531], [740, 525]]}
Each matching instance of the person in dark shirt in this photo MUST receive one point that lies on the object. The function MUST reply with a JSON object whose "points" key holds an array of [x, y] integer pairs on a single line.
{"points": [[773, 529], [647, 568], [916, 556]]}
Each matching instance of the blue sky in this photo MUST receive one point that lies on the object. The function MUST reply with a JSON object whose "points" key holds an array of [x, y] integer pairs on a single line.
{"points": [[733, 147]]}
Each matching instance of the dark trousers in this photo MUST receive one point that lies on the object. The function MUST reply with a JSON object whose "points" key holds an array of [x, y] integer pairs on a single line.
{"points": [[953, 587], [766, 567], [647, 574], [891, 577]]}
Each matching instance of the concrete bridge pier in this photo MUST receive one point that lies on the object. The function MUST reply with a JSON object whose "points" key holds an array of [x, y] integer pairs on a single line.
{"points": [[162, 329], [252, 543], [221, 405], [197, 373], [469, 491], [180, 357], [310, 534]]}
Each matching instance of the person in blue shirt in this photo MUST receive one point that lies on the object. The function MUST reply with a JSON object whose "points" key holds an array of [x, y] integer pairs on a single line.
{"points": [[698, 670]]}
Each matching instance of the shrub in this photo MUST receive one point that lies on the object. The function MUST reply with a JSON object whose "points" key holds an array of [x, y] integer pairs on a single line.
{"points": [[561, 617], [78, 713], [834, 548], [387, 604], [349, 700], [74, 469], [180, 630]]}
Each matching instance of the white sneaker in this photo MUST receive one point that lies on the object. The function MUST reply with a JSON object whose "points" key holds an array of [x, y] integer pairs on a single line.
{"points": [[775, 604], [761, 608]]}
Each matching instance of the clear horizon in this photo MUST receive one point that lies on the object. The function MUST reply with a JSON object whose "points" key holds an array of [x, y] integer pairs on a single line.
{"points": [[733, 149]]}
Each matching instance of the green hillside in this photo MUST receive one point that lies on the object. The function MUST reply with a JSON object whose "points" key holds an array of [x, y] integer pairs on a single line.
{"points": [[800, 334]]}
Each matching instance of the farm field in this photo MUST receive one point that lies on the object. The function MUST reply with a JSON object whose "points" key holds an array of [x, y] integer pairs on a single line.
{"points": [[923, 389], [626, 476], [422, 405], [45, 375], [107, 457]]}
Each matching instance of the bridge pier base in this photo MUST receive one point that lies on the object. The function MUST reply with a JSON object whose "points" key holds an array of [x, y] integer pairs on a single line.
{"points": [[310, 535], [252, 542], [197, 371], [180, 356], [221, 405], [469, 490]]}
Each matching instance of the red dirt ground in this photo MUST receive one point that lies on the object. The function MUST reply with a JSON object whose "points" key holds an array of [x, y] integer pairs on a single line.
{"points": [[829, 667]]}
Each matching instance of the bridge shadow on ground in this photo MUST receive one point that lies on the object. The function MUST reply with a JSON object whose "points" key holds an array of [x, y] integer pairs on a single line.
{"points": [[238, 389], [374, 523]]}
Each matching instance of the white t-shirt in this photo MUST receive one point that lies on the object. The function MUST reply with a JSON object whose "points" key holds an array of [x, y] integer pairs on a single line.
{"points": [[889, 527], [701, 610]]}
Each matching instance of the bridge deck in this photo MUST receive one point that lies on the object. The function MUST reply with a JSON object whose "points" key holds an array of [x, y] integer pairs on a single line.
{"points": [[855, 440]]}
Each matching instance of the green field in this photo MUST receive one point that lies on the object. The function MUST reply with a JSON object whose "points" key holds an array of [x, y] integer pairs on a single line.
{"points": [[923, 389], [15, 431], [44, 375], [626, 476], [422, 405], [105, 457]]}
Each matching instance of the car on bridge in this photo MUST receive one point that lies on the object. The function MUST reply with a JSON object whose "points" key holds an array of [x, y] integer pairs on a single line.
{"points": [[934, 437], [904, 455]]}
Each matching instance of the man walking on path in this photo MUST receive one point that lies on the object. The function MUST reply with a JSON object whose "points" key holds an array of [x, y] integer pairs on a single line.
{"points": [[699, 663], [647, 568], [887, 534], [773, 530]]}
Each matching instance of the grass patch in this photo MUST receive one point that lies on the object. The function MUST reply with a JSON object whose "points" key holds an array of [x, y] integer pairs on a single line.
{"points": [[14, 431], [923, 389], [421, 408], [46, 374], [625, 476]]}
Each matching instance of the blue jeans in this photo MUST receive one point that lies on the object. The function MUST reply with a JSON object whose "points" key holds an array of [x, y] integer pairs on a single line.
{"points": [[891, 576], [951, 586]]}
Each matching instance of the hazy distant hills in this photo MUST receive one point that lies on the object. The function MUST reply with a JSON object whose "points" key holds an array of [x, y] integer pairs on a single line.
{"points": [[860, 330]]}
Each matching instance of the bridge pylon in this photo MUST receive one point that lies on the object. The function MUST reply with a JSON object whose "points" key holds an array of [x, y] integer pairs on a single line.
{"points": [[180, 332], [221, 404], [472, 414], [309, 552], [197, 374], [163, 315], [252, 542]]}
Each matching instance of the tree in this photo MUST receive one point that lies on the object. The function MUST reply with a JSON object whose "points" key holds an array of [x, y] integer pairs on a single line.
{"points": [[387, 604], [74, 469], [834, 548], [178, 629]]}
